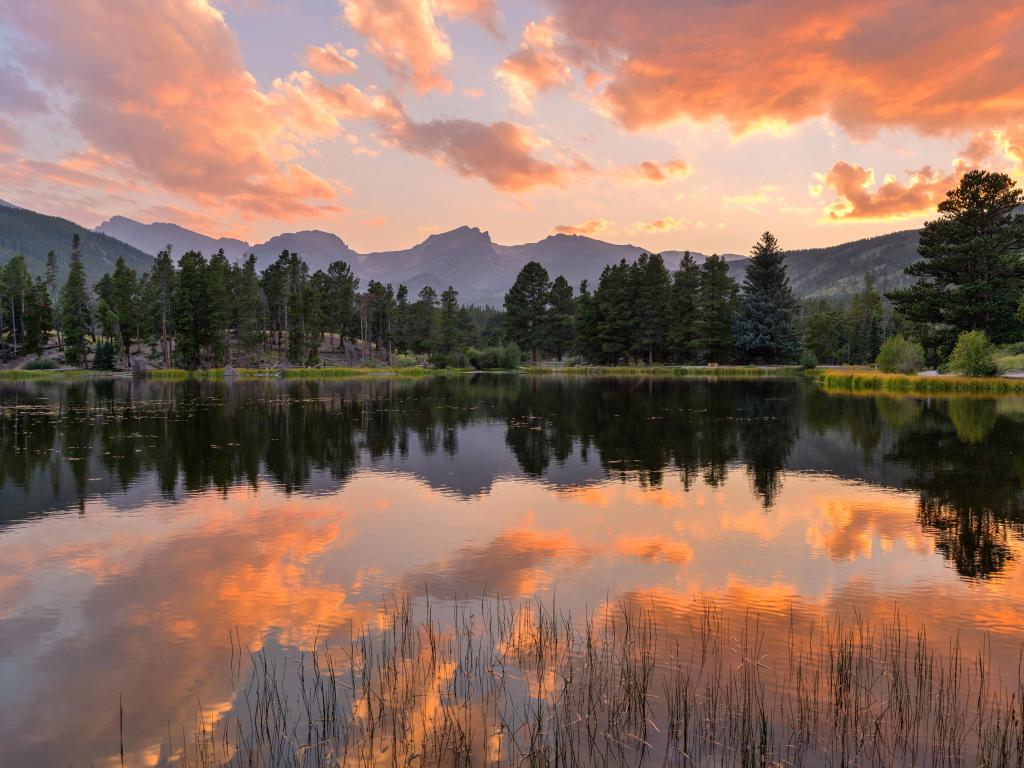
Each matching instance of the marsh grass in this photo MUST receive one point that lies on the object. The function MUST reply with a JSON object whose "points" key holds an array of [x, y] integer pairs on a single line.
{"points": [[496, 683], [854, 381]]}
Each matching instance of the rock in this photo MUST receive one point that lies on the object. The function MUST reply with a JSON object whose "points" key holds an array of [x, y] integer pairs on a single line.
{"points": [[229, 371], [139, 365]]}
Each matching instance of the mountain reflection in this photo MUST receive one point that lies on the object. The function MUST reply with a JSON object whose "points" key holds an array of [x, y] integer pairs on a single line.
{"points": [[63, 443]]}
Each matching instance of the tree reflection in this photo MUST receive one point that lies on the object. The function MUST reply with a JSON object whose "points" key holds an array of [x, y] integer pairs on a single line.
{"points": [[961, 455]]}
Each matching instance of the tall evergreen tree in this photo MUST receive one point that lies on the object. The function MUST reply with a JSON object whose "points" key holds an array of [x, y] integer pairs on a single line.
{"points": [[717, 303], [403, 319], [971, 270], [652, 289], [124, 302], [190, 311], [682, 332], [161, 284], [220, 295], [339, 299], [53, 291], [584, 325], [864, 320], [424, 321], [615, 301], [451, 329], [765, 327], [561, 309], [75, 316], [526, 306], [250, 309]]}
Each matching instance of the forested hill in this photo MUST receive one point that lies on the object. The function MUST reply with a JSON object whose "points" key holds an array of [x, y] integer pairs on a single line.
{"points": [[839, 269], [35, 235]]}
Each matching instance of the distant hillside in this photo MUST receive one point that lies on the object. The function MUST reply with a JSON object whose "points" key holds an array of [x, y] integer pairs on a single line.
{"points": [[839, 270], [35, 235], [153, 238], [480, 269]]}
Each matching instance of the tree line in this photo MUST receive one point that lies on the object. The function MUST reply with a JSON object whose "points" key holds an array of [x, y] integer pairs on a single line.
{"points": [[203, 312], [640, 312]]}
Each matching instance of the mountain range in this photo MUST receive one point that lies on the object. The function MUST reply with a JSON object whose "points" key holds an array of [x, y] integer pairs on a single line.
{"points": [[466, 257]]}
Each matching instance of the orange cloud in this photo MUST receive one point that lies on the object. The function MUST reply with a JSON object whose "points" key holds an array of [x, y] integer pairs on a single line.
{"points": [[860, 198], [667, 224], [503, 154], [328, 60], [405, 36], [588, 227], [174, 102], [655, 549], [865, 64], [658, 172], [535, 67]]}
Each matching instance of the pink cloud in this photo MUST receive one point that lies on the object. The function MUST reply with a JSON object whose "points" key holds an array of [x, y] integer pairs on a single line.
{"points": [[406, 37], [536, 67], [860, 198], [866, 64], [589, 227], [652, 171], [328, 60], [173, 101]]}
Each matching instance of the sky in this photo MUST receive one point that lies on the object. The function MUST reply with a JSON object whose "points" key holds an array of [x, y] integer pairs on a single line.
{"points": [[669, 124]]}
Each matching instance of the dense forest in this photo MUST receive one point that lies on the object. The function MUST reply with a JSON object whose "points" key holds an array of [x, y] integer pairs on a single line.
{"points": [[207, 312]]}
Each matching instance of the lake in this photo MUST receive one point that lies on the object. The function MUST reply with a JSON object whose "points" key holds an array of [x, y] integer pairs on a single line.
{"points": [[160, 541]]}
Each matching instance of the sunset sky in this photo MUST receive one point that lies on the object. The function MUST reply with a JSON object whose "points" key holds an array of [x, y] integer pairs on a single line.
{"points": [[666, 123]]}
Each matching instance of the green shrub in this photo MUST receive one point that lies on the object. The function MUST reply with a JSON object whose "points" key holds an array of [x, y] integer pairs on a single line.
{"points": [[899, 355], [808, 360], [494, 358], [40, 364], [103, 360], [973, 355]]}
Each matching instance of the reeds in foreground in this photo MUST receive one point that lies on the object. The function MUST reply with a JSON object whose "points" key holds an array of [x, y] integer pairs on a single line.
{"points": [[498, 683]]}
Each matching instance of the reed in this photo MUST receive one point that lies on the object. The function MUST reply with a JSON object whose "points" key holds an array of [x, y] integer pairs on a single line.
{"points": [[854, 381], [497, 683]]}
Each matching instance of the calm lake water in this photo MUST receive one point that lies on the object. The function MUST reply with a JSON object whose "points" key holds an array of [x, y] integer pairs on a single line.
{"points": [[148, 530]]}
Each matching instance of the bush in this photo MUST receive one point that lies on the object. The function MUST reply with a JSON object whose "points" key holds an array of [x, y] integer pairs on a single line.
{"points": [[808, 360], [491, 358], [103, 360], [972, 355], [899, 355], [40, 364]]}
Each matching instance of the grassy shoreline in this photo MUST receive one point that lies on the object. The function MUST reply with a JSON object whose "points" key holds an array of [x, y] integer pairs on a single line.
{"points": [[875, 381], [340, 372]]}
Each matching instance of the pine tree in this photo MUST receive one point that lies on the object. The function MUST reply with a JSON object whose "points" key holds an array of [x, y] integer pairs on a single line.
{"points": [[717, 304], [765, 328], [450, 330], [615, 301], [584, 325], [971, 270], [403, 320], [220, 295], [162, 284], [75, 316], [190, 311], [864, 320], [339, 300], [250, 309], [424, 321], [560, 316], [53, 291], [682, 333], [124, 302], [526, 306], [652, 288]]}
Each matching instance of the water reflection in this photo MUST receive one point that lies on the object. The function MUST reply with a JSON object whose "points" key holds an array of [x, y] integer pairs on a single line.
{"points": [[62, 444], [142, 523]]}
